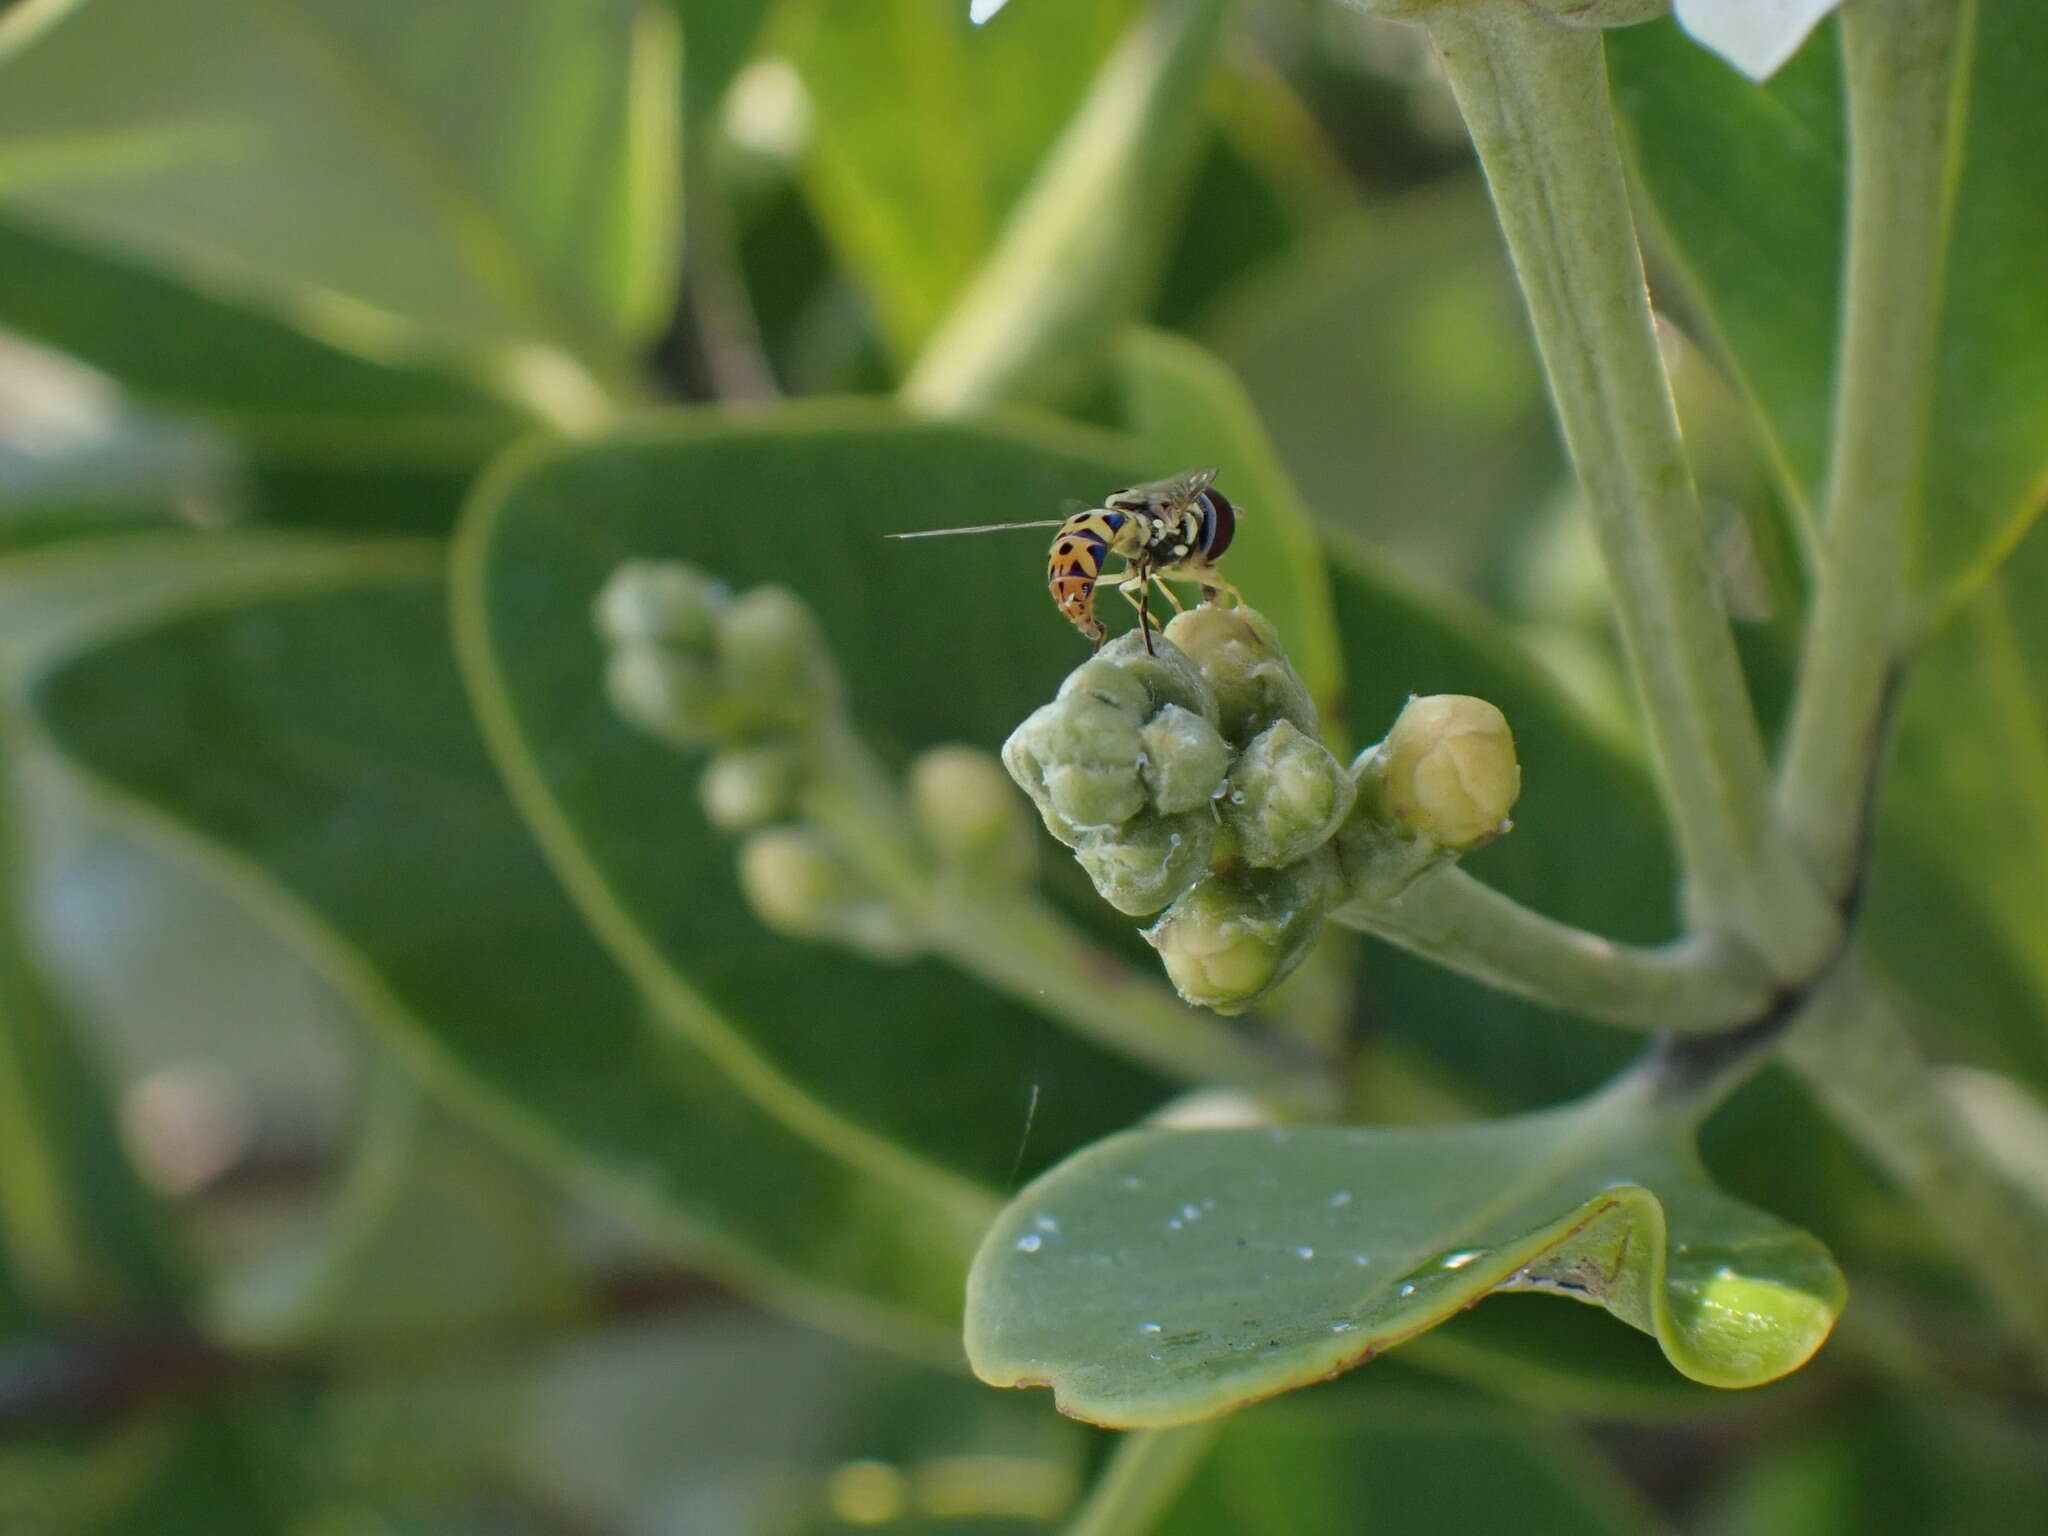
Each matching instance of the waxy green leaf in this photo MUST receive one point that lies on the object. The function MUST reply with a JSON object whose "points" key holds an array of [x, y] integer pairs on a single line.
{"points": [[1166, 1276], [306, 728], [1748, 183], [945, 640]]}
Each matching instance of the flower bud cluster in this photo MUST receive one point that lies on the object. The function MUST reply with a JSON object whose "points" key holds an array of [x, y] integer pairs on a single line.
{"points": [[1193, 780], [831, 851]]}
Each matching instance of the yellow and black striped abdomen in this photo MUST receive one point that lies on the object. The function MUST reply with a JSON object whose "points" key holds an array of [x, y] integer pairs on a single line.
{"points": [[1075, 565]]}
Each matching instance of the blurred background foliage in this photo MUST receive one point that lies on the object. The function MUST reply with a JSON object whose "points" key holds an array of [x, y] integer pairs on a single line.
{"points": [[404, 1128]]}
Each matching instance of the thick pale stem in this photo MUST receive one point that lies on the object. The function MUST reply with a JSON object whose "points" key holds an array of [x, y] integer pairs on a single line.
{"points": [[1696, 987], [1534, 94], [1902, 62], [1143, 1478], [1857, 1057]]}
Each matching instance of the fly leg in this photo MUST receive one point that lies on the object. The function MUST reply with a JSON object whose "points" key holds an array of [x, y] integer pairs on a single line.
{"points": [[1140, 600]]}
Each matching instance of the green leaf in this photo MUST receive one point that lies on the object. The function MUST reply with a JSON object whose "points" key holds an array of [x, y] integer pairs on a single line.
{"points": [[1166, 1276], [1391, 361], [1748, 181], [81, 1229], [436, 1238], [358, 806], [944, 640], [1957, 909], [1080, 253], [285, 392], [515, 159], [716, 41], [1190, 410], [926, 130]]}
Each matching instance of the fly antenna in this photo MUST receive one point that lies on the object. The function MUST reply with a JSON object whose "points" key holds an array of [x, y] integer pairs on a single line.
{"points": [[933, 533]]}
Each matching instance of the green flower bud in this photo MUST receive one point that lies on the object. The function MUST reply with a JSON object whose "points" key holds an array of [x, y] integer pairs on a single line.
{"points": [[1239, 657], [774, 662], [799, 886], [1139, 867], [1286, 797], [661, 602], [1447, 772], [969, 810], [673, 694], [1236, 936], [1078, 760], [747, 786], [1183, 759], [1123, 674]]}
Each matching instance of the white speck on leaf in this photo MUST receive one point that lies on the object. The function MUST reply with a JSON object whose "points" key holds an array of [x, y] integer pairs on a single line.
{"points": [[1304, 1252], [1029, 1242], [980, 10], [1148, 1327], [1045, 1223], [1341, 1197]]}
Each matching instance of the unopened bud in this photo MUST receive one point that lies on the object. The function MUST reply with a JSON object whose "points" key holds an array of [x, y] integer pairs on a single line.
{"points": [[1078, 760], [969, 809], [1234, 937], [775, 664], [747, 786], [660, 602], [1447, 771], [1240, 660], [799, 886], [1183, 759], [1140, 682], [673, 694], [1141, 866], [1286, 797]]}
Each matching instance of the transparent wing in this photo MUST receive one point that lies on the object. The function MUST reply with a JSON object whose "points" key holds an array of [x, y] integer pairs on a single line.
{"points": [[934, 533], [1174, 491]]}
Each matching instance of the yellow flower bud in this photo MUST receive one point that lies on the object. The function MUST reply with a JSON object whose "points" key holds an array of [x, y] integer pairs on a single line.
{"points": [[1447, 771]]}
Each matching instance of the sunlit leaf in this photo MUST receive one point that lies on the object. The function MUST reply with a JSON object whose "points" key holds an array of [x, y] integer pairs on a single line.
{"points": [[454, 177], [925, 130], [1166, 1276]]}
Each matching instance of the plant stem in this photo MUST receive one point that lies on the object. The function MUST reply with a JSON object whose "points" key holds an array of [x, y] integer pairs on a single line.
{"points": [[1857, 1057], [1534, 94], [1903, 62], [1022, 947], [1145, 1475], [1025, 948], [1698, 986]]}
